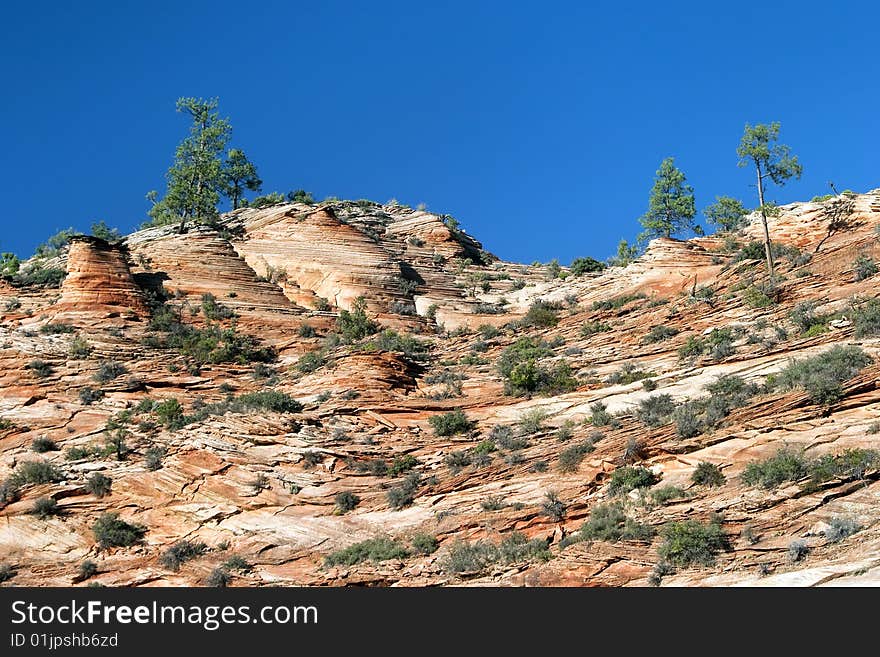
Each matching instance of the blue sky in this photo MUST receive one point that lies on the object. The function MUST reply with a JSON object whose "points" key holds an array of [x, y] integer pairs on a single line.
{"points": [[538, 125]]}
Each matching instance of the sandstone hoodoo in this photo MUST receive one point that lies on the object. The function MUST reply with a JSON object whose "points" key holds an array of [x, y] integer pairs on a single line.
{"points": [[99, 280], [676, 418]]}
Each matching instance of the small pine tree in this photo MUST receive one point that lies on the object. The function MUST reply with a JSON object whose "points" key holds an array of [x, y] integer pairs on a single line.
{"points": [[771, 160], [671, 207], [727, 213]]}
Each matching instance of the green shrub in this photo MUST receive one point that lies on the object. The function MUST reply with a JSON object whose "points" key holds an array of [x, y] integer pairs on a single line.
{"points": [[542, 314], [866, 319], [617, 302], [218, 579], [40, 368], [89, 395], [448, 424], [804, 316], [424, 544], [532, 421], [592, 328], [786, 465], [87, 569], [757, 298], [111, 531], [34, 472], [691, 542], [237, 563], [687, 420], [628, 373], [213, 310], [553, 507], [822, 376], [693, 347], [466, 557], [109, 370], [211, 344], [45, 507], [99, 484], [608, 522], [628, 478], [407, 345], [570, 458], [346, 501], [864, 267], [850, 464], [402, 496], [43, 444], [39, 275], [659, 334], [840, 527], [180, 553], [797, 550], [581, 266], [7, 572], [664, 494], [354, 325], [457, 460], [170, 414], [656, 410], [515, 548], [376, 549], [600, 416], [311, 361], [153, 458], [708, 474], [55, 328]]}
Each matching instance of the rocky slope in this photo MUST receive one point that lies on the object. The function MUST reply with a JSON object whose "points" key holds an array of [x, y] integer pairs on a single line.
{"points": [[253, 305]]}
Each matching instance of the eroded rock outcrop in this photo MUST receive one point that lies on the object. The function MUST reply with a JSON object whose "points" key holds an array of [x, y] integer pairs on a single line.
{"points": [[99, 281]]}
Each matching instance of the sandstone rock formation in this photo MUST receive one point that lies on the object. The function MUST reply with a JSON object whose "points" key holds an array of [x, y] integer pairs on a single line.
{"points": [[99, 280], [264, 482]]}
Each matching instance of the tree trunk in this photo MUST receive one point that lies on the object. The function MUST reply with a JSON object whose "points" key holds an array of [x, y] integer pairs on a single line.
{"points": [[768, 252]]}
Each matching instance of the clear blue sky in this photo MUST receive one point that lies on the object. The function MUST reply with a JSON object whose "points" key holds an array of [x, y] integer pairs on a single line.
{"points": [[538, 125]]}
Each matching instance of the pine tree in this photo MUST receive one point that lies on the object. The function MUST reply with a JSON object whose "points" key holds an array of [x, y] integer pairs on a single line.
{"points": [[671, 207], [240, 174], [196, 178], [771, 160], [727, 213]]}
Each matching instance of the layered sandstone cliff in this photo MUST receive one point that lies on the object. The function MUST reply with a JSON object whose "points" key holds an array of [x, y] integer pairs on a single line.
{"points": [[263, 484]]}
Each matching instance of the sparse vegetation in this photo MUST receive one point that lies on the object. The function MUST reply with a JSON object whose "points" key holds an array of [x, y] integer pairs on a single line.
{"points": [[109, 370], [181, 552], [822, 376], [99, 484], [375, 550], [864, 267], [451, 423], [111, 531], [787, 464], [355, 325], [656, 410], [589, 329], [660, 333], [43, 444], [570, 457], [519, 365], [708, 474], [609, 522], [840, 527], [691, 542], [45, 507], [628, 478], [346, 501]]}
